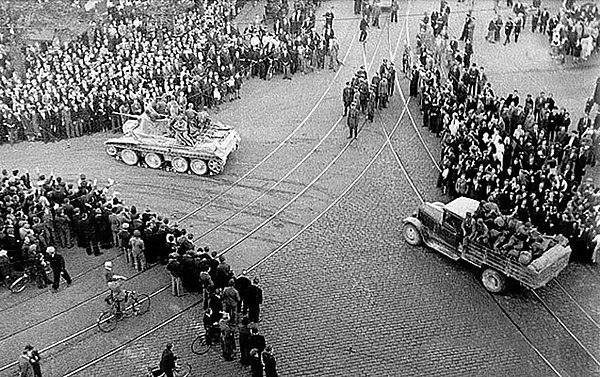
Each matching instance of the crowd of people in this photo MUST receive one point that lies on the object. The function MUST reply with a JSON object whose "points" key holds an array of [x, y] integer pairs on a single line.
{"points": [[231, 304], [118, 66], [574, 31], [521, 153], [39, 215]]}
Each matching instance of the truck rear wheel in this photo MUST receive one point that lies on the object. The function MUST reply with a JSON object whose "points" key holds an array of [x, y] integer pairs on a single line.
{"points": [[180, 164], [215, 165], [153, 160], [493, 281], [129, 157], [412, 236], [198, 167]]}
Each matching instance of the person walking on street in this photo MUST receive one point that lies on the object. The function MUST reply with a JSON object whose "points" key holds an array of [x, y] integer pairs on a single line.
{"points": [[518, 27], [167, 361], [24, 362], [394, 11], [508, 28], [334, 51], [353, 121], [34, 359], [57, 264], [364, 25], [269, 362]]}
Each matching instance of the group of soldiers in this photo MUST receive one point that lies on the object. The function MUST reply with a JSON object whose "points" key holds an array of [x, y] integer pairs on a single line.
{"points": [[361, 98], [186, 125]]}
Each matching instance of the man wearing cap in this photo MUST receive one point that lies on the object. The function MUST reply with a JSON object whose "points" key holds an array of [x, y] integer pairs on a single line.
{"points": [[57, 264], [113, 282], [136, 244], [347, 97], [353, 121]]}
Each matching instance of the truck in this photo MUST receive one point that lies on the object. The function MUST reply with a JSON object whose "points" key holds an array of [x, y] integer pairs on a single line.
{"points": [[439, 227], [151, 143]]}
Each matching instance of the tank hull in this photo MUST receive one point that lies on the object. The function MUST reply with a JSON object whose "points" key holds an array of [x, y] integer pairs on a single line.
{"points": [[207, 156]]}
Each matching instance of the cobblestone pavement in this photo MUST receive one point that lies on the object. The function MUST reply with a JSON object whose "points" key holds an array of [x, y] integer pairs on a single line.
{"points": [[348, 296]]}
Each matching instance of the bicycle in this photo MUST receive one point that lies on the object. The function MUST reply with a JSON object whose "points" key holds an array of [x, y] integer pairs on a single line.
{"points": [[205, 341], [182, 370], [140, 304]]}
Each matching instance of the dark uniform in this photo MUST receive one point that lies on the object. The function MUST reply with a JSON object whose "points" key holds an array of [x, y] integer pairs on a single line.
{"points": [[353, 121], [347, 97]]}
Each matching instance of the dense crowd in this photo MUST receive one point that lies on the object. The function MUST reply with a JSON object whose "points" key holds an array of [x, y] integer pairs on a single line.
{"points": [[515, 152], [574, 31], [122, 64], [39, 215]]}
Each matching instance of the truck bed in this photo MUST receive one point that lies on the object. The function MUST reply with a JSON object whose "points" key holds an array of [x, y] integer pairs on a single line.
{"points": [[535, 275]]}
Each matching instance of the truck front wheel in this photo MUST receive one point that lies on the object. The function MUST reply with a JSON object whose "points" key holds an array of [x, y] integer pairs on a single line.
{"points": [[493, 281], [412, 236]]}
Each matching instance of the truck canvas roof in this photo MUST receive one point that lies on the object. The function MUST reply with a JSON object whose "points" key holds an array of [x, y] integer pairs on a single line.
{"points": [[461, 206]]}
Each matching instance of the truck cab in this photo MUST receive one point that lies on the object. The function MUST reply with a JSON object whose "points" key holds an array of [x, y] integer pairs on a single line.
{"points": [[439, 225]]}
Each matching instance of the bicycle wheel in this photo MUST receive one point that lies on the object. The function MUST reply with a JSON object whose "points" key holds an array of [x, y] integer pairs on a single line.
{"points": [[199, 345], [107, 321], [141, 304], [183, 370], [18, 285]]}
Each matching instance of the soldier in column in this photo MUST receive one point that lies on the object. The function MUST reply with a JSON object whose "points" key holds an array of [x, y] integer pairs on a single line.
{"points": [[383, 92], [353, 120], [371, 106], [347, 97]]}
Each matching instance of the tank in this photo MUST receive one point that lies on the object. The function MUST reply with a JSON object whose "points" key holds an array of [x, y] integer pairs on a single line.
{"points": [[168, 144]]}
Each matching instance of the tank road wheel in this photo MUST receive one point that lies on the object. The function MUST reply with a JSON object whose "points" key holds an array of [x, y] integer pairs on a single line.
{"points": [[111, 150], [412, 236], [215, 165], [493, 281], [180, 164], [153, 160], [129, 157], [198, 167]]}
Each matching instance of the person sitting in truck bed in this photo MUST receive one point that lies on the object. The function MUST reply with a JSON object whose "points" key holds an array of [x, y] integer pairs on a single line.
{"points": [[467, 226], [480, 234]]}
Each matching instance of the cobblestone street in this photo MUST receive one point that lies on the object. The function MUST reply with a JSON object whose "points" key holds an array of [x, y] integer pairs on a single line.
{"points": [[345, 295]]}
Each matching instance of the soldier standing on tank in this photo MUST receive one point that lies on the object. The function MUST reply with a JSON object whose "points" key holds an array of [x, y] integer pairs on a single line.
{"points": [[353, 120]]}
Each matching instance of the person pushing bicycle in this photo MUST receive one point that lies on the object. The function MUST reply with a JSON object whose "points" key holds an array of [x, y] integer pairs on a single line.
{"points": [[113, 281]]}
